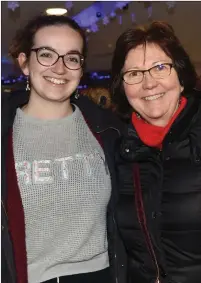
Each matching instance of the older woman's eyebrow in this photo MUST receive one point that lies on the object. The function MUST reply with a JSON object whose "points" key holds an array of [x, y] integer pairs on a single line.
{"points": [[162, 61]]}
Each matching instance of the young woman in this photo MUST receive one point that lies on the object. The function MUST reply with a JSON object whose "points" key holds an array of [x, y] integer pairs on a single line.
{"points": [[159, 156], [57, 165]]}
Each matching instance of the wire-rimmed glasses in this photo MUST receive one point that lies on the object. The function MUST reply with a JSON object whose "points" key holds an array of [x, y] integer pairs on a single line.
{"points": [[48, 57], [159, 71]]}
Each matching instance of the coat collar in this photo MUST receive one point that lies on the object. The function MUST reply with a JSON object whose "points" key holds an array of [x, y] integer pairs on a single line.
{"points": [[183, 124]]}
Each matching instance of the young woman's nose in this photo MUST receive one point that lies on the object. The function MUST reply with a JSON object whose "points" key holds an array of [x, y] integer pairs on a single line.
{"points": [[59, 67]]}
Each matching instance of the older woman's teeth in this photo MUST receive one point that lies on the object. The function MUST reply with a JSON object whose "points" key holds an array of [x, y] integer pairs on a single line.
{"points": [[153, 97], [55, 81]]}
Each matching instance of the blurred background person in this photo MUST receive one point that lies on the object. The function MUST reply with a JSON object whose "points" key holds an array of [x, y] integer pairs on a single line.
{"points": [[99, 95]]}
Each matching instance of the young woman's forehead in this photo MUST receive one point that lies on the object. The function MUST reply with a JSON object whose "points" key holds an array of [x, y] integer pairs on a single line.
{"points": [[58, 36], [54, 30]]}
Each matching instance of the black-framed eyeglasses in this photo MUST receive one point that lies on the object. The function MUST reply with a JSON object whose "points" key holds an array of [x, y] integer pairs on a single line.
{"points": [[48, 57], [159, 71]]}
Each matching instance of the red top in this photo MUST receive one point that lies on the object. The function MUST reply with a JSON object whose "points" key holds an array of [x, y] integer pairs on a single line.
{"points": [[152, 135]]}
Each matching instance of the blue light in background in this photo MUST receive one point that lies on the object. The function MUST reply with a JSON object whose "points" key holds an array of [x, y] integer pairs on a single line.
{"points": [[5, 60], [88, 16], [100, 10]]}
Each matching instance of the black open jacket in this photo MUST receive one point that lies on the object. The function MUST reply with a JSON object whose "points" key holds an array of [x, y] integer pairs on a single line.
{"points": [[101, 122], [159, 209]]}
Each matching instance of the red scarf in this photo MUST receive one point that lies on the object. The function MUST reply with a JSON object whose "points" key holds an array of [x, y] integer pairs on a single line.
{"points": [[152, 135]]}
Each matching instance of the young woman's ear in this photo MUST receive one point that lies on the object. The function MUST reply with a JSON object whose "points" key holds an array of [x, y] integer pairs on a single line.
{"points": [[22, 61]]}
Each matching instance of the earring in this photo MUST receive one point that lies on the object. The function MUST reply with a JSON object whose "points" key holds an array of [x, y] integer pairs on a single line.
{"points": [[27, 86], [76, 94]]}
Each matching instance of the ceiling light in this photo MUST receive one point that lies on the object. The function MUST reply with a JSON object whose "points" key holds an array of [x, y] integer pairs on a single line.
{"points": [[56, 11]]}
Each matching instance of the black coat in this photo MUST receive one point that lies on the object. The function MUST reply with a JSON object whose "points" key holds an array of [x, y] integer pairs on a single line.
{"points": [[100, 122], [168, 239]]}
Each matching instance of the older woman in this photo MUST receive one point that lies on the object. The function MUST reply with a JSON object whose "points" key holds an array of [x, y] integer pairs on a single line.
{"points": [[159, 156]]}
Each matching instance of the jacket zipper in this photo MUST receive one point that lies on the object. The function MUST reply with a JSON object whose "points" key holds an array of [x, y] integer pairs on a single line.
{"points": [[115, 255], [142, 220], [154, 256]]}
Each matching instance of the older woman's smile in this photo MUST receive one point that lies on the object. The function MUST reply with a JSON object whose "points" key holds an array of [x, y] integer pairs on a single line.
{"points": [[153, 97]]}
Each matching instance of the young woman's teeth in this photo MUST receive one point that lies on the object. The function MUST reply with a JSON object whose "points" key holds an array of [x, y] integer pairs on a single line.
{"points": [[153, 97], [56, 81]]}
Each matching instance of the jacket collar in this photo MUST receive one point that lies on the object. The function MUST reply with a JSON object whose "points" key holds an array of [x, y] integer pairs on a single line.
{"points": [[182, 125]]}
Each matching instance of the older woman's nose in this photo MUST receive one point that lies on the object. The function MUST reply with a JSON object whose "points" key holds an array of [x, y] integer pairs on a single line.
{"points": [[148, 81]]}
